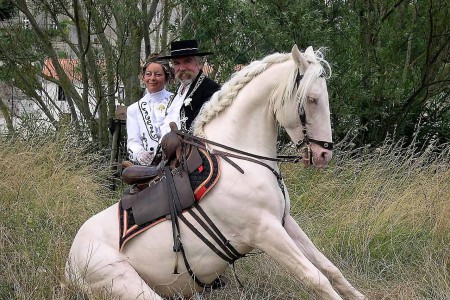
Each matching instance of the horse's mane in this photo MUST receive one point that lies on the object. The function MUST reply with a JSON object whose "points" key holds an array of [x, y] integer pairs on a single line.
{"points": [[225, 96]]}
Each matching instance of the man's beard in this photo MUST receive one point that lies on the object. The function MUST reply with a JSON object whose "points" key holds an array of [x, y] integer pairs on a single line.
{"points": [[185, 77]]}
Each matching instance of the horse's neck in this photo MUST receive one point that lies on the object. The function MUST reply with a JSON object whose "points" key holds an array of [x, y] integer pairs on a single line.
{"points": [[248, 123]]}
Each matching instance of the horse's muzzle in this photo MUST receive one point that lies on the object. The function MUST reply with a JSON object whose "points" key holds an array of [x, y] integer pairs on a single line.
{"points": [[315, 155]]}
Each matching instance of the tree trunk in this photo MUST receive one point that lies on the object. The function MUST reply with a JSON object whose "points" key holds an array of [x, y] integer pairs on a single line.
{"points": [[5, 110]]}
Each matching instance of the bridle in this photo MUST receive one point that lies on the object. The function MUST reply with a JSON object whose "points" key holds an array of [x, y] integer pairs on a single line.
{"points": [[304, 145]]}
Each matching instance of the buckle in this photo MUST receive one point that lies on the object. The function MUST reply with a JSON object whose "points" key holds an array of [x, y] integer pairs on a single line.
{"points": [[155, 181], [306, 154]]}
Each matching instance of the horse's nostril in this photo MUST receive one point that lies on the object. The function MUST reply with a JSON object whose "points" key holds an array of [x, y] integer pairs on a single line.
{"points": [[328, 155], [325, 155]]}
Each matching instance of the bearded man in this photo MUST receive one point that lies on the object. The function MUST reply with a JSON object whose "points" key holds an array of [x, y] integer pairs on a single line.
{"points": [[195, 88]]}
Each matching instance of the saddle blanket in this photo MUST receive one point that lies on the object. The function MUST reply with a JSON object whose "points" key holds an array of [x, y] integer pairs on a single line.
{"points": [[201, 179]]}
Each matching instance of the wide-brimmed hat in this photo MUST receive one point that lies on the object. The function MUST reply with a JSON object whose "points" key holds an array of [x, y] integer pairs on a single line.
{"points": [[183, 49]]}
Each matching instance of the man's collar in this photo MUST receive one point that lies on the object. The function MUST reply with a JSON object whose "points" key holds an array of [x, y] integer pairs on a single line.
{"points": [[195, 84], [185, 88]]}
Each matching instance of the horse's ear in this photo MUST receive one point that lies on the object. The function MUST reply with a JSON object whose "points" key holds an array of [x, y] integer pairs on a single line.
{"points": [[299, 59], [309, 51]]}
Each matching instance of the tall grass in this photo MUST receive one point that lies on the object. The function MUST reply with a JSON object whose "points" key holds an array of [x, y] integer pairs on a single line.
{"points": [[48, 187], [382, 216]]}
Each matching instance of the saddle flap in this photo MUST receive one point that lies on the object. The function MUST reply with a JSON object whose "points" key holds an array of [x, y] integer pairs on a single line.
{"points": [[184, 189], [127, 199], [151, 203], [130, 193], [194, 160]]}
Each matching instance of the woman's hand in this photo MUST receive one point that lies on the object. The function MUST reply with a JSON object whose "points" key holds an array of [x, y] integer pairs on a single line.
{"points": [[145, 157]]}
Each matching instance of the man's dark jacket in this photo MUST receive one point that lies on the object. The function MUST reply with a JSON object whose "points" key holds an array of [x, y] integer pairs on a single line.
{"points": [[201, 95]]}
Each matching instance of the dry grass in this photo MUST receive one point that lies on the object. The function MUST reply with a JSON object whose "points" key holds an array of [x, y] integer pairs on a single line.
{"points": [[382, 216], [47, 189]]}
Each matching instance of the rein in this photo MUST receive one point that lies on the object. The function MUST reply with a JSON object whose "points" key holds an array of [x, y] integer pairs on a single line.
{"points": [[201, 142], [279, 158]]}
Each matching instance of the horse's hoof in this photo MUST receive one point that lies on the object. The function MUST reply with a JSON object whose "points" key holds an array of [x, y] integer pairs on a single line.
{"points": [[220, 282]]}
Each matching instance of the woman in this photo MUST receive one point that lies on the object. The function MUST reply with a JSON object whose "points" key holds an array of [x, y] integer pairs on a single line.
{"points": [[145, 117]]}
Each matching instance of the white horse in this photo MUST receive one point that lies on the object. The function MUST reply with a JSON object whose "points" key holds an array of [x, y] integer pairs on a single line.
{"points": [[249, 208]]}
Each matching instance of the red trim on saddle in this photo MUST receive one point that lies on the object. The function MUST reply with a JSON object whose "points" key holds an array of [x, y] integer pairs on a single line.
{"points": [[199, 194], [212, 178]]}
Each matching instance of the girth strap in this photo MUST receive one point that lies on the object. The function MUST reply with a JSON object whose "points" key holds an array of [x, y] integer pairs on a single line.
{"points": [[215, 233], [204, 240], [230, 255], [175, 209], [253, 159], [219, 234]]}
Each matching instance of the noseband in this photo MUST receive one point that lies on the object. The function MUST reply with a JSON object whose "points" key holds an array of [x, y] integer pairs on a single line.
{"points": [[304, 145]]}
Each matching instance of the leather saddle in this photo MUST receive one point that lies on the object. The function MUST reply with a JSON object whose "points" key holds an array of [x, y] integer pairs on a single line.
{"points": [[172, 155], [154, 188]]}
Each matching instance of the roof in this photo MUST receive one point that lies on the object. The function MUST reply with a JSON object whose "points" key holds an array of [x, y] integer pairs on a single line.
{"points": [[69, 65]]}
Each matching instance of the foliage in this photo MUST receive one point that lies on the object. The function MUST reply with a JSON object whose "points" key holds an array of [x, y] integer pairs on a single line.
{"points": [[7, 10], [389, 58], [385, 213], [241, 31], [104, 41], [45, 182], [395, 62], [381, 212]]}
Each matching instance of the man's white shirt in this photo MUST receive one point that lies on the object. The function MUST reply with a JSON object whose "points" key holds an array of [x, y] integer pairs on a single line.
{"points": [[173, 111]]}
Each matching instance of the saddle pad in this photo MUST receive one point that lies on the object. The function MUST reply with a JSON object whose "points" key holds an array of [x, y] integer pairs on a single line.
{"points": [[202, 180]]}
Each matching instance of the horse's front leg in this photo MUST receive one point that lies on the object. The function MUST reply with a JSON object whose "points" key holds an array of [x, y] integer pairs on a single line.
{"points": [[307, 247], [273, 239]]}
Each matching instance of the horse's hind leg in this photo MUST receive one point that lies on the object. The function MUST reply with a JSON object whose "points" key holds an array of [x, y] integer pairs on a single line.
{"points": [[320, 261], [99, 268], [274, 240]]}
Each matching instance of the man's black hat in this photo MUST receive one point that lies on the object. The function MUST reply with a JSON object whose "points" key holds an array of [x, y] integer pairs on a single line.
{"points": [[183, 49]]}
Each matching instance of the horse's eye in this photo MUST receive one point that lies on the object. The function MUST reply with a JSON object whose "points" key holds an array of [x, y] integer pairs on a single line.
{"points": [[312, 99]]}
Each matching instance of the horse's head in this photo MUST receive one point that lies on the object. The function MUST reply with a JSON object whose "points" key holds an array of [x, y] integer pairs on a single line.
{"points": [[305, 113]]}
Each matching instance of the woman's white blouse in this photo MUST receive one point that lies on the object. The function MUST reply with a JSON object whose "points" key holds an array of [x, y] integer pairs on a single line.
{"points": [[144, 121]]}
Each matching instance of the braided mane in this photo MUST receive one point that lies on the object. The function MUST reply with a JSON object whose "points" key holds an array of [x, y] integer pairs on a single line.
{"points": [[225, 96]]}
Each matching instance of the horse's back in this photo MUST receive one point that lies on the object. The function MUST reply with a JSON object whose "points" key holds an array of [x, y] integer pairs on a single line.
{"points": [[103, 226], [99, 231]]}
